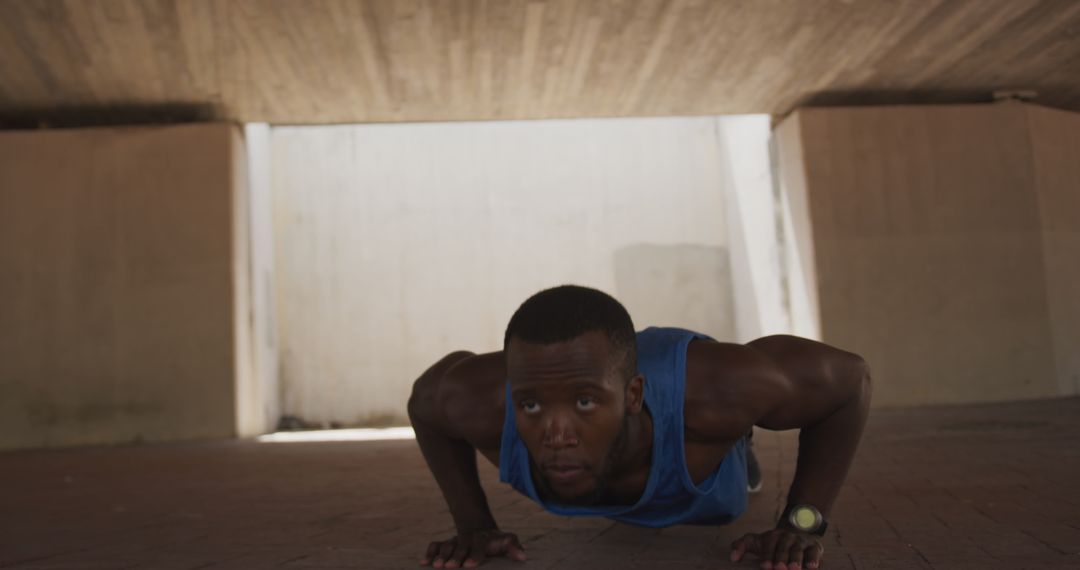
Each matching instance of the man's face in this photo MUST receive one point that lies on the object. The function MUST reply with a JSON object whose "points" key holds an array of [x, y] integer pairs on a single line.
{"points": [[571, 403]]}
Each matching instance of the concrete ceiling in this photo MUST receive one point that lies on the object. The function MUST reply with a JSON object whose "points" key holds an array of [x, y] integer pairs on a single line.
{"points": [[291, 61]]}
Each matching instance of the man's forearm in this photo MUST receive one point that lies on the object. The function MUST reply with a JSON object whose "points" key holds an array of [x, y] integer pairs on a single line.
{"points": [[826, 450], [453, 463]]}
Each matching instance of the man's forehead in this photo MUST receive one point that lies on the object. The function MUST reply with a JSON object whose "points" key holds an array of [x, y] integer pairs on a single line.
{"points": [[582, 357], [592, 346]]}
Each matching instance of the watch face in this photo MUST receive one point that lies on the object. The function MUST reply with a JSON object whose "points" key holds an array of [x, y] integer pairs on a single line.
{"points": [[804, 518]]}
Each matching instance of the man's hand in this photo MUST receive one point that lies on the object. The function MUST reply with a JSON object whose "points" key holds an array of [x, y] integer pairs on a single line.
{"points": [[472, 549], [780, 549]]}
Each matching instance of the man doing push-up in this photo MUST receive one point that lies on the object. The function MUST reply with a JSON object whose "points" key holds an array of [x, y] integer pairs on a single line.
{"points": [[588, 418]]}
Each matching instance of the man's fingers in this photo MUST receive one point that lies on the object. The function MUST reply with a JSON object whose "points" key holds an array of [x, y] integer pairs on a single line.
{"points": [[782, 549], [779, 550], [445, 550], [812, 556], [457, 559], [472, 552], [740, 546], [432, 550], [514, 550], [508, 546], [766, 553], [477, 556], [795, 555]]}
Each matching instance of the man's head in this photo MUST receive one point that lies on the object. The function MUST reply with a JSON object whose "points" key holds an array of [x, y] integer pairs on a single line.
{"points": [[571, 360]]}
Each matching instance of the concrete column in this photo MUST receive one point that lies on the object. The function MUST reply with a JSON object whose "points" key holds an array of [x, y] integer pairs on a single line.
{"points": [[945, 245], [118, 306], [1055, 153]]}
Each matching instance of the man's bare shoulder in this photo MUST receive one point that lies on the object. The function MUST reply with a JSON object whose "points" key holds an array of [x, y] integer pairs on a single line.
{"points": [[472, 396], [775, 382], [729, 388]]}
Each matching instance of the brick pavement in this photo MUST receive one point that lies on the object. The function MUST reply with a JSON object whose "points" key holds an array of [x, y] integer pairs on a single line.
{"points": [[994, 486]]}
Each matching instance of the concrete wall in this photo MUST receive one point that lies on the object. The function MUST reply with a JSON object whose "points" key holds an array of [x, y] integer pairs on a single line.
{"points": [[764, 249], [798, 268], [1055, 153], [258, 388], [399, 243], [944, 243], [119, 268]]}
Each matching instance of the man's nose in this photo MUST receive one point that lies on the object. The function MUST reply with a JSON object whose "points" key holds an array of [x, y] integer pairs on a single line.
{"points": [[560, 432]]}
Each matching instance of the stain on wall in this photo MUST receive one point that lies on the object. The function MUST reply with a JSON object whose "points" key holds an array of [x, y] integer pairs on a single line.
{"points": [[687, 286]]}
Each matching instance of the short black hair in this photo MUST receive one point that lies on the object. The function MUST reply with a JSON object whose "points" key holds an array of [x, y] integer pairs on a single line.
{"points": [[566, 312]]}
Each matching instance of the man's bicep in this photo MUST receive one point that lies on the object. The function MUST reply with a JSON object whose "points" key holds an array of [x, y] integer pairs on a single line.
{"points": [[797, 405], [737, 388], [472, 397], [775, 402], [813, 380], [426, 405]]}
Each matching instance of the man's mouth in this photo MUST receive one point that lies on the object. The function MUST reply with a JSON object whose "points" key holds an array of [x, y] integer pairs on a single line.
{"points": [[564, 473]]}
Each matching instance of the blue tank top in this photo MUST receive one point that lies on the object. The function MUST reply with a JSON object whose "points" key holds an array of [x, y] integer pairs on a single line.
{"points": [[670, 496]]}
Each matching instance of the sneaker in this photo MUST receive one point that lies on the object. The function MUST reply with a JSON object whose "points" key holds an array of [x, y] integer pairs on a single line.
{"points": [[753, 470]]}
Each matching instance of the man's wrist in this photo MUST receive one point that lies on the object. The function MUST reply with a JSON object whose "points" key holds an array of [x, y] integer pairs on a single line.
{"points": [[479, 524]]}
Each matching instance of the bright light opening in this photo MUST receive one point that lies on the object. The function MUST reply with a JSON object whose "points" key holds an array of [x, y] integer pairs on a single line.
{"points": [[360, 434]]}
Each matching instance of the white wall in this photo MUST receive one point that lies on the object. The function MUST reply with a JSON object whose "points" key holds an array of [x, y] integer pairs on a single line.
{"points": [[258, 399], [761, 245], [396, 244]]}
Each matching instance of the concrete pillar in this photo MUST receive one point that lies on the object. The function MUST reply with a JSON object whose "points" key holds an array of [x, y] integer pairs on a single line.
{"points": [[123, 311], [944, 241]]}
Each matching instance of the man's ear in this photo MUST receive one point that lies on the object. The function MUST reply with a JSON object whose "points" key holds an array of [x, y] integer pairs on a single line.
{"points": [[635, 394]]}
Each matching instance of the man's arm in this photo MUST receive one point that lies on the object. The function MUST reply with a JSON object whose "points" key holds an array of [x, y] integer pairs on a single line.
{"points": [[829, 401], [452, 460], [825, 393]]}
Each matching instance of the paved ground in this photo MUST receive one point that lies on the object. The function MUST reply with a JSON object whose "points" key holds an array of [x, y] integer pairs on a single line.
{"points": [[967, 487]]}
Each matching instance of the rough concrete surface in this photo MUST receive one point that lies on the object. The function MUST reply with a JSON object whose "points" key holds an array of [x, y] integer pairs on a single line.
{"points": [[992, 486]]}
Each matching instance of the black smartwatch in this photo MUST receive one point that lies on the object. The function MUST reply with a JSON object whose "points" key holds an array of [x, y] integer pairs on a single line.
{"points": [[804, 518]]}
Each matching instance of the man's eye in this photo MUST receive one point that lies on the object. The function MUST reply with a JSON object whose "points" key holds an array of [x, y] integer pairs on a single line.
{"points": [[585, 403], [530, 407]]}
